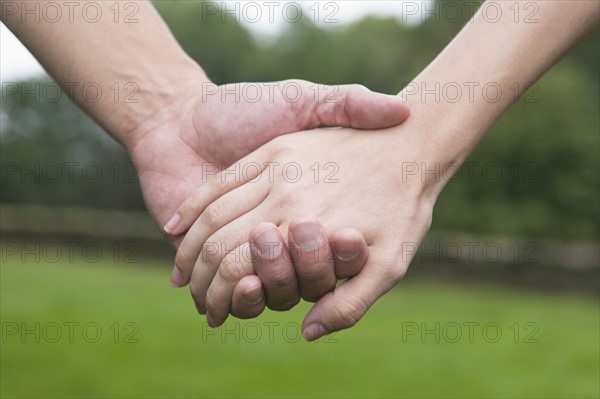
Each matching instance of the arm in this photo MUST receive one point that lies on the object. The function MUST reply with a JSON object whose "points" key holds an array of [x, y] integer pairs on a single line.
{"points": [[104, 52], [392, 208], [503, 54], [177, 128]]}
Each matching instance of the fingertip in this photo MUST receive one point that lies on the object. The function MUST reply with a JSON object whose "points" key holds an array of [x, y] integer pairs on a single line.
{"points": [[259, 228], [307, 234], [171, 226], [177, 278], [200, 308], [348, 244], [347, 304], [347, 234], [252, 292], [181, 220], [403, 110], [397, 110], [301, 220], [266, 243], [350, 252], [314, 332], [372, 110], [248, 298]]}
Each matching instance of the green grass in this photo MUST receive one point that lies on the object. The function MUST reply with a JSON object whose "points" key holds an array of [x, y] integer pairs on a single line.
{"points": [[176, 357]]}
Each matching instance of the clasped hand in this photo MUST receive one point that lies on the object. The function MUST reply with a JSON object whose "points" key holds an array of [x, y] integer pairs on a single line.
{"points": [[239, 225]]}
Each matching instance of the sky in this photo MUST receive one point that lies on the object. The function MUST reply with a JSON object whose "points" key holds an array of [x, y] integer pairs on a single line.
{"points": [[16, 62]]}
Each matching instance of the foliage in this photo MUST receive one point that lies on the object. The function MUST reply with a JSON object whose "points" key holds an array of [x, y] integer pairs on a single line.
{"points": [[546, 146]]}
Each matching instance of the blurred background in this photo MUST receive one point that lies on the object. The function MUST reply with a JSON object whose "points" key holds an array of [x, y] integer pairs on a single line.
{"points": [[501, 301]]}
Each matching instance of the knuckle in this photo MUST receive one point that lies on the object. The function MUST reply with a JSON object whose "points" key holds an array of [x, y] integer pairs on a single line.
{"points": [[184, 259], [283, 305], [349, 312], [211, 253], [209, 301], [213, 215], [314, 273], [280, 278], [391, 268], [190, 205], [279, 148], [314, 296], [285, 200], [358, 88], [392, 271], [246, 314], [232, 269], [213, 183], [197, 294], [295, 82], [398, 273]]}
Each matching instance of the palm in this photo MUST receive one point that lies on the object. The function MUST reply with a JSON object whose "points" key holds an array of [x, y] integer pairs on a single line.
{"points": [[173, 157], [169, 171]]}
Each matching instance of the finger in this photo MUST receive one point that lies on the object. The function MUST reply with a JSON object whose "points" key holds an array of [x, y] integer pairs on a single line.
{"points": [[215, 186], [248, 298], [312, 259], [351, 106], [272, 264], [235, 266], [347, 304], [218, 214], [350, 252], [214, 251]]}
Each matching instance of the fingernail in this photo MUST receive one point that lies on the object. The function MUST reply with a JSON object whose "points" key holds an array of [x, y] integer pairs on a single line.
{"points": [[172, 223], [346, 256], [306, 236], [253, 295], [177, 279], [314, 331], [267, 245]]}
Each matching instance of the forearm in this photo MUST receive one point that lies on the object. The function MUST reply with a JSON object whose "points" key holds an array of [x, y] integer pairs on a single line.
{"points": [[121, 65], [491, 63]]}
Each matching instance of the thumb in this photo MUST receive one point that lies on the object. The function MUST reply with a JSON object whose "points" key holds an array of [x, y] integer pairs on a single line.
{"points": [[352, 106], [345, 306]]}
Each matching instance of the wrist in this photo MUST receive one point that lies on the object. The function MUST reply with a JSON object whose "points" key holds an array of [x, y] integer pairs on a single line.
{"points": [[428, 149], [162, 97]]}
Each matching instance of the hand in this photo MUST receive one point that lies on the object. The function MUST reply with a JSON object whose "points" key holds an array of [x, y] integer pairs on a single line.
{"points": [[207, 128], [310, 266], [369, 195]]}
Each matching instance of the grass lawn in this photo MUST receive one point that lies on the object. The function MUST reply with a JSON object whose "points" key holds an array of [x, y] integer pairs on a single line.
{"points": [[163, 349]]}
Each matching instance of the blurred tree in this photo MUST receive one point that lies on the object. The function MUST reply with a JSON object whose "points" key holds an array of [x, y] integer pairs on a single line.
{"points": [[546, 147]]}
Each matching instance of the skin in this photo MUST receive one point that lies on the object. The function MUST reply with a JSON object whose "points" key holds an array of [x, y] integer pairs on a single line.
{"points": [[179, 130], [375, 193]]}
